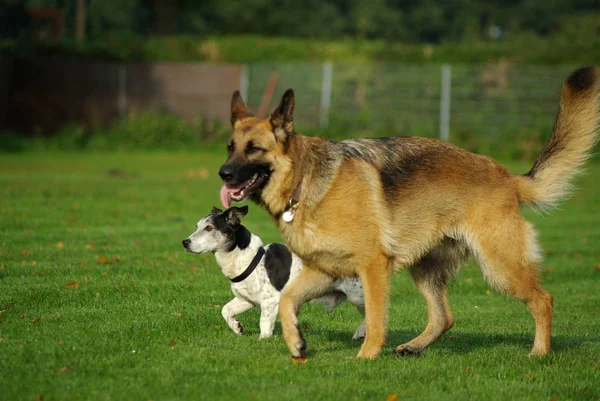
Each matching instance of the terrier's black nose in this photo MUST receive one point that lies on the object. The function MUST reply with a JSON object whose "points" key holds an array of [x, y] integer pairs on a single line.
{"points": [[226, 172], [186, 242]]}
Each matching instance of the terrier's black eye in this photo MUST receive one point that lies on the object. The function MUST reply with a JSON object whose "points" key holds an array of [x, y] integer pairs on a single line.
{"points": [[208, 228]]}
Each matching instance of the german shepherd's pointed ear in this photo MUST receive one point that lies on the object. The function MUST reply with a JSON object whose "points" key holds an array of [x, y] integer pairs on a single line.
{"points": [[239, 109], [282, 119], [234, 214]]}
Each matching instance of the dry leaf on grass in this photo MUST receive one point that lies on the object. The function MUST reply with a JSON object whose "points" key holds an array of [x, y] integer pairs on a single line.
{"points": [[201, 173], [105, 260], [74, 284]]}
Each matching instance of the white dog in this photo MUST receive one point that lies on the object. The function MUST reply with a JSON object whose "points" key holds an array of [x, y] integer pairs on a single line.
{"points": [[259, 274]]}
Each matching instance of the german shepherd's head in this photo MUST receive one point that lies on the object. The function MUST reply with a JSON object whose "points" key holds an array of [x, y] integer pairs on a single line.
{"points": [[258, 158]]}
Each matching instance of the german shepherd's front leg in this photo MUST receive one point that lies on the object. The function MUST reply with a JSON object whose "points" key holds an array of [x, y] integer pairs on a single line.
{"points": [[309, 284], [375, 279]]}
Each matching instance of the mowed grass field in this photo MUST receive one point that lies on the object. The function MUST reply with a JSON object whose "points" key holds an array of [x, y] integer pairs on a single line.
{"points": [[98, 300]]}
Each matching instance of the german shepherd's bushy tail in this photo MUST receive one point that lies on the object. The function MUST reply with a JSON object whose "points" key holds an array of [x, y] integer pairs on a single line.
{"points": [[574, 134]]}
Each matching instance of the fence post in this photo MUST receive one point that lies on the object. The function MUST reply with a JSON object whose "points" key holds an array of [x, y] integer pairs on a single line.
{"points": [[445, 103], [244, 82], [122, 100], [326, 94]]}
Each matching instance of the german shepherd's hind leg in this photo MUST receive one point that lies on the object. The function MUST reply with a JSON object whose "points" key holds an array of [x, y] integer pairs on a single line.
{"points": [[508, 256], [431, 276], [307, 285], [375, 279]]}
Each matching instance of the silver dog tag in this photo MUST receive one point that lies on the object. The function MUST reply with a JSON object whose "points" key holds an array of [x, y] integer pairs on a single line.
{"points": [[288, 216]]}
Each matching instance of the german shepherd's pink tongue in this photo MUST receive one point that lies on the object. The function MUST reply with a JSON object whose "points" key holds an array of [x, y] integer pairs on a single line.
{"points": [[226, 192]]}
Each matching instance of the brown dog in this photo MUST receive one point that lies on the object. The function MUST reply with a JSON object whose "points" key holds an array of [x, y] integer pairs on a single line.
{"points": [[364, 207]]}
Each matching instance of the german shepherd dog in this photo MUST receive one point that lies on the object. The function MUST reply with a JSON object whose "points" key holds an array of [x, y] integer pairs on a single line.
{"points": [[364, 207]]}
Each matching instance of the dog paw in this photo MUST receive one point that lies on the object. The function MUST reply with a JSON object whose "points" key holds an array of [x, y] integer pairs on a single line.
{"points": [[238, 329], [358, 335], [265, 335], [299, 349], [538, 353], [408, 350]]}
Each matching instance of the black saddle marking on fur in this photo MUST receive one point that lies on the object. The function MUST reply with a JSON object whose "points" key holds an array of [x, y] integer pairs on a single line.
{"points": [[582, 79], [398, 159], [278, 263]]}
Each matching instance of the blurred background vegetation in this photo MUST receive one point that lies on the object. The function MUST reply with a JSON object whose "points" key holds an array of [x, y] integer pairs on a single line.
{"points": [[464, 33], [529, 31]]}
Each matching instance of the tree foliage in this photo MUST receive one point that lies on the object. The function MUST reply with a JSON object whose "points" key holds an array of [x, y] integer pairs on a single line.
{"points": [[412, 21], [407, 21]]}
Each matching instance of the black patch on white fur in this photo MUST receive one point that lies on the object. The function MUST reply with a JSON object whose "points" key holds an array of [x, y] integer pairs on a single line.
{"points": [[242, 237], [237, 236], [278, 263]]}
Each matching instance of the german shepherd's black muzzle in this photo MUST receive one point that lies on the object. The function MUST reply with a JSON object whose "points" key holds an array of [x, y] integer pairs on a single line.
{"points": [[241, 180]]}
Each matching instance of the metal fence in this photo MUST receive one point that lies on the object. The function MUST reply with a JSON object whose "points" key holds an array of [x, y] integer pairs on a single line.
{"points": [[477, 106], [446, 101]]}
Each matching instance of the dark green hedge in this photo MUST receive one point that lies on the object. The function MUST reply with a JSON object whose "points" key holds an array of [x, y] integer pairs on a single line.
{"points": [[525, 48]]}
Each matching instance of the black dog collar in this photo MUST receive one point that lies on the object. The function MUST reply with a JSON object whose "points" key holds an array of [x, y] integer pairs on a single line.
{"points": [[251, 267]]}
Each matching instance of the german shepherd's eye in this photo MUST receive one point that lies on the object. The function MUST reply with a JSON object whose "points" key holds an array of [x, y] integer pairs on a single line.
{"points": [[251, 148], [208, 228], [230, 147]]}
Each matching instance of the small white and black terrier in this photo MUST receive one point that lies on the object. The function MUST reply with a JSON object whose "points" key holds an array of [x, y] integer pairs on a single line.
{"points": [[259, 274]]}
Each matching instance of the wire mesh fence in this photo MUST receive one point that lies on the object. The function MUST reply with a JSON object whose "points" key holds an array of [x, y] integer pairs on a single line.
{"points": [[485, 101], [484, 108]]}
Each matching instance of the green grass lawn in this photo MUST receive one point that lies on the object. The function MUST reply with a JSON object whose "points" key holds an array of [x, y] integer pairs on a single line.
{"points": [[99, 301]]}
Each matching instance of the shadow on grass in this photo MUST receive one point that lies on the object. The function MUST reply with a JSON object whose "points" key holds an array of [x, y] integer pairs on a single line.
{"points": [[455, 342]]}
